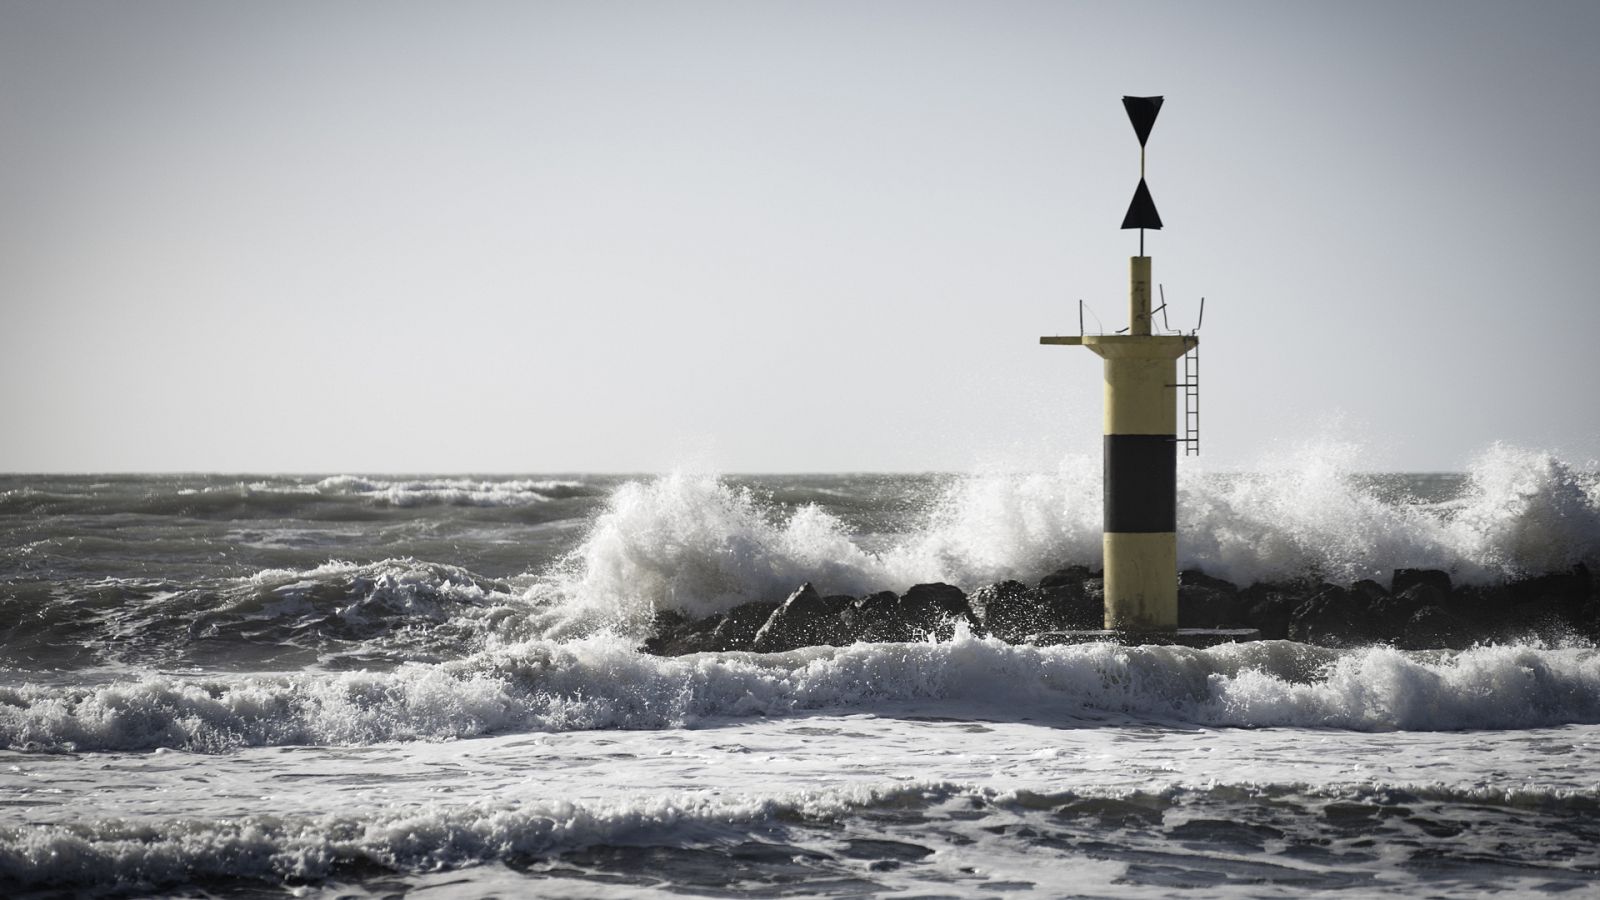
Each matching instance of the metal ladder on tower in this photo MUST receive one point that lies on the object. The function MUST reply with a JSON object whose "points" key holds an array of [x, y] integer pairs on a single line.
{"points": [[1191, 401]]}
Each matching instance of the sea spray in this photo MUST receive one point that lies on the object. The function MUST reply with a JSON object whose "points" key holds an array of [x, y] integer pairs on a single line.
{"points": [[1302, 513], [695, 544], [991, 526], [1526, 512]]}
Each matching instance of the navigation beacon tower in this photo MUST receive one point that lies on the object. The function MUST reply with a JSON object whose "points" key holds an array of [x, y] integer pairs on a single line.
{"points": [[1141, 442]]}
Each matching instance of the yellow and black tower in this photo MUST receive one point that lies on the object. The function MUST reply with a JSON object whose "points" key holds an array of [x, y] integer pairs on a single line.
{"points": [[1141, 443]]}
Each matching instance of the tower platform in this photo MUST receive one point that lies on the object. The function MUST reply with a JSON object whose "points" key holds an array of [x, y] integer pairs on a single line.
{"points": [[1199, 638]]}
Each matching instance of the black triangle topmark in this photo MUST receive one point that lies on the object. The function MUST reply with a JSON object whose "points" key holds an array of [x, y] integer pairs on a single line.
{"points": [[1142, 211], [1142, 113]]}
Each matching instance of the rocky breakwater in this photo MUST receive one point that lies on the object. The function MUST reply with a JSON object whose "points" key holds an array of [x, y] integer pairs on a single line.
{"points": [[1420, 609]]}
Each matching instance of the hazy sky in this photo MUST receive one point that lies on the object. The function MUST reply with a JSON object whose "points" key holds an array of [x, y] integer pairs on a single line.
{"points": [[782, 236]]}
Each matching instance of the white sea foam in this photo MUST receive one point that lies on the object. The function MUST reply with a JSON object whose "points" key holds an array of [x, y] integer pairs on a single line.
{"points": [[992, 526], [696, 544], [133, 855], [604, 683], [1526, 512]]}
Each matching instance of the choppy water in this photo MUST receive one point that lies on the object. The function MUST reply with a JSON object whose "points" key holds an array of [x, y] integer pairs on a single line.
{"points": [[227, 685]]}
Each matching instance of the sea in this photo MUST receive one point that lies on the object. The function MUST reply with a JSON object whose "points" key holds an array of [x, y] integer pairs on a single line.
{"points": [[347, 685]]}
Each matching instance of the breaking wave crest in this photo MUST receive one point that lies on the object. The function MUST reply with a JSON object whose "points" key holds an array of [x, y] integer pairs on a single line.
{"points": [[696, 544], [604, 683]]}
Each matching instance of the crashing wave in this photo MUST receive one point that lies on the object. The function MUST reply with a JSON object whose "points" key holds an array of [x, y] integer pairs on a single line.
{"points": [[605, 683]]}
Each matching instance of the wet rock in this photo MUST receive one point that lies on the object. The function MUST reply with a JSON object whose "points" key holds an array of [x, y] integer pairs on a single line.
{"points": [[805, 619], [1070, 576], [1390, 614], [738, 629], [1553, 596], [1072, 599], [1424, 594], [1425, 610], [1483, 604], [1197, 578], [841, 604], [1206, 602], [1009, 610], [875, 618], [1589, 620], [1267, 607], [932, 608], [674, 634], [1436, 628], [1270, 615], [1335, 617], [1370, 589], [665, 629], [1405, 578]]}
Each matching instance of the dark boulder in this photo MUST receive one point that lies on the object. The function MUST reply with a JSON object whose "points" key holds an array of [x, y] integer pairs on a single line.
{"points": [[1206, 602], [1488, 604], [738, 629], [1070, 576], [1269, 614], [841, 604], [1335, 617], [1268, 606], [1370, 589], [1390, 615], [933, 608], [1589, 620], [1009, 610], [1436, 628], [805, 619], [1197, 578], [1405, 578], [674, 634], [1072, 599], [1552, 597], [1087, 611], [875, 618]]}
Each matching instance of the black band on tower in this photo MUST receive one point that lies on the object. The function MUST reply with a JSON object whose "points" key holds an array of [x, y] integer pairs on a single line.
{"points": [[1141, 483]]}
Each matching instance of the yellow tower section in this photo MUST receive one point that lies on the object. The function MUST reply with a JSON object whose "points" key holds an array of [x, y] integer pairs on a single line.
{"points": [[1140, 448]]}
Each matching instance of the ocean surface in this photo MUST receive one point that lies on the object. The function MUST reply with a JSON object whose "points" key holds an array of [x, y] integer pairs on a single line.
{"points": [[258, 686]]}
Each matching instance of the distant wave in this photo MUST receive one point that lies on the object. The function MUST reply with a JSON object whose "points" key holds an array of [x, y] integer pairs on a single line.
{"points": [[604, 683], [389, 611], [453, 491], [211, 496]]}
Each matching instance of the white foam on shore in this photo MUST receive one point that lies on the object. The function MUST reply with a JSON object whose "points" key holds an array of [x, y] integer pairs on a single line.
{"points": [[134, 855], [603, 682]]}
